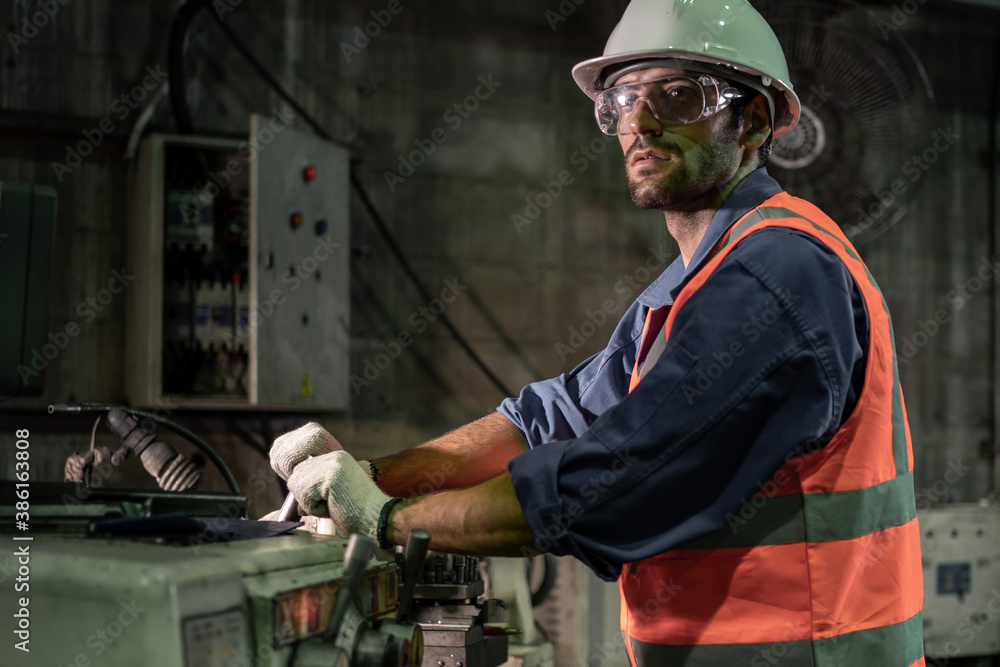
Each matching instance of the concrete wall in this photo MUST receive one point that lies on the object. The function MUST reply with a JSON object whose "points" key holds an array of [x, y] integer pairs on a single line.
{"points": [[452, 216], [938, 263], [528, 289], [523, 289]]}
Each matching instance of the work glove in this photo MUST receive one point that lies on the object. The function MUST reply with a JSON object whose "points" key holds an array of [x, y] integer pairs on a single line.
{"points": [[313, 524], [298, 445], [335, 485], [310, 440]]}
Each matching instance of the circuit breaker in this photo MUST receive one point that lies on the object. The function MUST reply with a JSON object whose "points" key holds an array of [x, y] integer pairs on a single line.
{"points": [[240, 251], [960, 547]]}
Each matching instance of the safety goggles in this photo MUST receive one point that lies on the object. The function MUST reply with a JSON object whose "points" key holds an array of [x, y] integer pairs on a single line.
{"points": [[680, 100]]}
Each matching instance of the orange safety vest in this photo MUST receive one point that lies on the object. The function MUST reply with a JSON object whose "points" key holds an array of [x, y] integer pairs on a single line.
{"points": [[822, 567]]}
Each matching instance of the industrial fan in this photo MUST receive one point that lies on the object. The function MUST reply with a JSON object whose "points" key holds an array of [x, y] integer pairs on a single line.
{"points": [[867, 108]]}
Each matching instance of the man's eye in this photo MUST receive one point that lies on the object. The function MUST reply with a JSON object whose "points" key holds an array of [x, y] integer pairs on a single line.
{"points": [[679, 92], [625, 100]]}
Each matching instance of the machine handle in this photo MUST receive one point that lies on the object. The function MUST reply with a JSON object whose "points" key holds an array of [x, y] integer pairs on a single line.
{"points": [[359, 552], [289, 509], [415, 555]]}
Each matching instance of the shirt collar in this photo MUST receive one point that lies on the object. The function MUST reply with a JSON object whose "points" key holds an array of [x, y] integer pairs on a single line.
{"points": [[747, 195]]}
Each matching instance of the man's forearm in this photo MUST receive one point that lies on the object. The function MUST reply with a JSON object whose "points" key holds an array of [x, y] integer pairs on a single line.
{"points": [[462, 458], [483, 520]]}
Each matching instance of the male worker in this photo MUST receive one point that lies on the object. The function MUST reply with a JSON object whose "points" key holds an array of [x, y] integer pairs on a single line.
{"points": [[738, 455]]}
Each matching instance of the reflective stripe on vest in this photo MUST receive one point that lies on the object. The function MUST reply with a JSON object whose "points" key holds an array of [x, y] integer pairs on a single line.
{"points": [[821, 568]]}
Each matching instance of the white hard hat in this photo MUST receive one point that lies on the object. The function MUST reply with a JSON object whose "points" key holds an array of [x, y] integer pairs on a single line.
{"points": [[725, 34]]}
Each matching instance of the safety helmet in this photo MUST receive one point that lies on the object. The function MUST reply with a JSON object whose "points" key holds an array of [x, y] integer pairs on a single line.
{"points": [[727, 37]]}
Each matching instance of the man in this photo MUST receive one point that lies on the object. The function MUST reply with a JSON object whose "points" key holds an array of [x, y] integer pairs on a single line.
{"points": [[738, 455]]}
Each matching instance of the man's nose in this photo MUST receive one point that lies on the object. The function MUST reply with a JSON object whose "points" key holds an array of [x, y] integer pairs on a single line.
{"points": [[643, 119]]}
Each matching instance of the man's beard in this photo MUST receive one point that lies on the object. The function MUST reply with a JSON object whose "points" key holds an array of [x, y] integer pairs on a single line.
{"points": [[656, 195], [652, 194], [678, 188]]}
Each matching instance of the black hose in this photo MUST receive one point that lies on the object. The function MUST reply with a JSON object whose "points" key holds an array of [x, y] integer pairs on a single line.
{"points": [[173, 426], [182, 114], [548, 578], [245, 436], [380, 225], [175, 63], [424, 294], [262, 72]]}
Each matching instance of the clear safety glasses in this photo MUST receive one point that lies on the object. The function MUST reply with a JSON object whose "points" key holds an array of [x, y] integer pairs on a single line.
{"points": [[679, 100]]}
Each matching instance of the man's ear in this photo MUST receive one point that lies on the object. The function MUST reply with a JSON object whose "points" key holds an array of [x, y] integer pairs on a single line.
{"points": [[756, 123]]}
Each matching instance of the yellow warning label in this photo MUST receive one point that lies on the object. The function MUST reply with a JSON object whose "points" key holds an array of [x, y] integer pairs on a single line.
{"points": [[306, 389]]}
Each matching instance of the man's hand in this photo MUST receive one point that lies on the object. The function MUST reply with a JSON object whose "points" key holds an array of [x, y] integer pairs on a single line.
{"points": [[335, 485], [292, 448]]}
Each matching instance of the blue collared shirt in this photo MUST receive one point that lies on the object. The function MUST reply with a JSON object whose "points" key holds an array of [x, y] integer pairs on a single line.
{"points": [[765, 358]]}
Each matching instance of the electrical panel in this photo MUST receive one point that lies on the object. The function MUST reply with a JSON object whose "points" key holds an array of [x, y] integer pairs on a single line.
{"points": [[960, 548], [299, 275], [240, 251]]}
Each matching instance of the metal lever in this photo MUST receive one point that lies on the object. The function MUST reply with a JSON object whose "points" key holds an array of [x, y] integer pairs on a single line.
{"points": [[289, 509], [359, 552], [415, 555]]}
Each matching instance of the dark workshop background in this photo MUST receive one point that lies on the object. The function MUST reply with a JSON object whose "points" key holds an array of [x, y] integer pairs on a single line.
{"points": [[528, 289]]}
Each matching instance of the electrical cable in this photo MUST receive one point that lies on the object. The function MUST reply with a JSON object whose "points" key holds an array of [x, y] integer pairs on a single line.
{"points": [[262, 72], [182, 114], [175, 63], [266, 430], [245, 436], [93, 432], [541, 631], [551, 572], [365, 199], [207, 449], [408, 268], [89, 469], [132, 145]]}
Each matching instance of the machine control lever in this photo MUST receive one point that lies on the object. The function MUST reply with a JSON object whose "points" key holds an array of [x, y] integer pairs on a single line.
{"points": [[289, 509], [414, 556], [359, 552]]}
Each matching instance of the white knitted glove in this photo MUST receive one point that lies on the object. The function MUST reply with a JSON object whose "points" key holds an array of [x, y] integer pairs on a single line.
{"points": [[313, 524], [335, 485], [310, 440], [298, 445]]}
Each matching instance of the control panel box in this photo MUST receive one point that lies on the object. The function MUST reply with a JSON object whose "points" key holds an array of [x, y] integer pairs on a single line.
{"points": [[960, 549], [240, 252], [300, 253]]}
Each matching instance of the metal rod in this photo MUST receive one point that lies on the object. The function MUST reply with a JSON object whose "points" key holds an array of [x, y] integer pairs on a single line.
{"points": [[289, 509]]}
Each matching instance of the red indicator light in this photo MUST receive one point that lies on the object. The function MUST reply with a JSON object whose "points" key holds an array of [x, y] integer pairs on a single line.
{"points": [[303, 612], [309, 173]]}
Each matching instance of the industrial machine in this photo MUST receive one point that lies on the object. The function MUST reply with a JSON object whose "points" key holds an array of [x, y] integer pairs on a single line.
{"points": [[179, 578], [251, 602], [128, 578], [457, 634]]}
